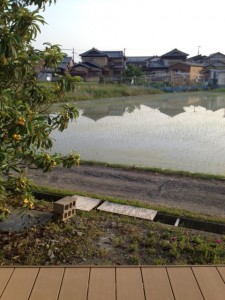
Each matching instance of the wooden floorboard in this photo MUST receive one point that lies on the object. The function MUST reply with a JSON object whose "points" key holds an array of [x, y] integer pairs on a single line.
{"points": [[20, 284], [48, 284], [102, 284], [156, 284], [75, 284], [113, 283], [184, 284], [129, 284], [5, 274], [222, 272], [210, 283]]}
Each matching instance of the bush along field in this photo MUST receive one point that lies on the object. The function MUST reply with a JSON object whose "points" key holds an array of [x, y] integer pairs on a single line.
{"points": [[92, 91]]}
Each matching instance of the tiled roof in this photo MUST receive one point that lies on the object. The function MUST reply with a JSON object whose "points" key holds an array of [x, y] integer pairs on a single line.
{"points": [[217, 53], [212, 63], [95, 52], [114, 54], [67, 59], [65, 62], [137, 58], [88, 65], [197, 57], [175, 52]]}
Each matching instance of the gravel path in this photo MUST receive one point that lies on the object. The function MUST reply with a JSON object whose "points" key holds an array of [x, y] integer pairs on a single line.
{"points": [[206, 196]]}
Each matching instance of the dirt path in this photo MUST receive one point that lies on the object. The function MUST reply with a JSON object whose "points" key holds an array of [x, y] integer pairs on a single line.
{"points": [[206, 196]]}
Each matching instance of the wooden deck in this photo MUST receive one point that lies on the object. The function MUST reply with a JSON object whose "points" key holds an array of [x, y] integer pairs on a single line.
{"points": [[113, 283]]}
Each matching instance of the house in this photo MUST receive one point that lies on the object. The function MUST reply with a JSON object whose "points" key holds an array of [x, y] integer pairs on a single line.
{"points": [[138, 61], [156, 66], [48, 74], [217, 77], [198, 59], [66, 65], [86, 70], [216, 59], [218, 56], [174, 56], [217, 64], [212, 63], [45, 75], [188, 70], [41, 72], [96, 63]]}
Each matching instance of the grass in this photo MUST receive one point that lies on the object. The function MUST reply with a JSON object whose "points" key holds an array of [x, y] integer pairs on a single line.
{"points": [[220, 90], [106, 239], [204, 176], [177, 212], [92, 91]]}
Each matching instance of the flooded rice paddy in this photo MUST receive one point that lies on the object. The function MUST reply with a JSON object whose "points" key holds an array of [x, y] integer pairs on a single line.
{"points": [[170, 131]]}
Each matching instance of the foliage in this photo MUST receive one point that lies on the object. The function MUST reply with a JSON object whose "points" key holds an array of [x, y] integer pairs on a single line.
{"points": [[25, 125], [4, 212], [133, 71]]}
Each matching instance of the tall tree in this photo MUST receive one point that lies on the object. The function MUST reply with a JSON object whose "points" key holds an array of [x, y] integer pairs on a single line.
{"points": [[25, 125]]}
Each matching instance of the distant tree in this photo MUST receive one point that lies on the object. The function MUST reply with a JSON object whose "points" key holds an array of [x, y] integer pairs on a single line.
{"points": [[133, 71], [25, 125], [101, 80]]}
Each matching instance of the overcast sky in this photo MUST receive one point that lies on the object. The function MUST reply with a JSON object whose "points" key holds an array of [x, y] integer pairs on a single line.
{"points": [[141, 27]]}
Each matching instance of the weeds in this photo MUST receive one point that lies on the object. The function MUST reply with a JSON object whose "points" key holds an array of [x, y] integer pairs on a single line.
{"points": [[101, 238]]}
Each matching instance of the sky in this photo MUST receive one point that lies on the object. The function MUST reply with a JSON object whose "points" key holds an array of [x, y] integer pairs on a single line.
{"points": [[138, 27]]}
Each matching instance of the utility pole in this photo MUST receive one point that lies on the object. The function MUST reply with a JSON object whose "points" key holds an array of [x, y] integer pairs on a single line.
{"points": [[198, 49], [73, 52]]}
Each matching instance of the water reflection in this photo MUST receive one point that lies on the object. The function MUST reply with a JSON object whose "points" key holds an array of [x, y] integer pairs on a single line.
{"points": [[171, 105], [183, 132]]}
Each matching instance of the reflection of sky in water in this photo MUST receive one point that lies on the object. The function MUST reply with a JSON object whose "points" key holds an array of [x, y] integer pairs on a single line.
{"points": [[192, 140]]}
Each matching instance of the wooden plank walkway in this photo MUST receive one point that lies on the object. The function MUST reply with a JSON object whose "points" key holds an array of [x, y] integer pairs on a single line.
{"points": [[113, 283]]}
